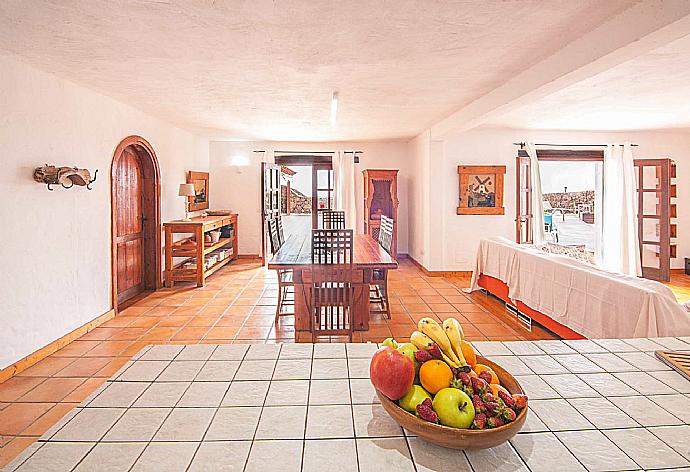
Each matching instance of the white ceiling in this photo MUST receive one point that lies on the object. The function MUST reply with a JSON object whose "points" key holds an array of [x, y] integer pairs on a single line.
{"points": [[651, 91], [266, 69]]}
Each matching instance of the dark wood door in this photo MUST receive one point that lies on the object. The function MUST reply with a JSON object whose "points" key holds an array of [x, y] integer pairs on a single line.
{"points": [[130, 226], [270, 202]]}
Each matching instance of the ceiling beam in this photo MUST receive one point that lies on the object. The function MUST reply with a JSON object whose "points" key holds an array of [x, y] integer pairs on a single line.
{"points": [[645, 26]]}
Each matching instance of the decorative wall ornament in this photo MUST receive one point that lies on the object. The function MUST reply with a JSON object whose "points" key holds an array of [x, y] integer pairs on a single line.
{"points": [[68, 177], [481, 190]]}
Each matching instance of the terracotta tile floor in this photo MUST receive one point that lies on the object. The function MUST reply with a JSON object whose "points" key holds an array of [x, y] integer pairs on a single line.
{"points": [[680, 284], [236, 306]]}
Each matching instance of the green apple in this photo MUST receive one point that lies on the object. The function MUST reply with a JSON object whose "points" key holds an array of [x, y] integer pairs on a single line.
{"points": [[408, 349], [390, 342], [414, 396], [454, 408]]}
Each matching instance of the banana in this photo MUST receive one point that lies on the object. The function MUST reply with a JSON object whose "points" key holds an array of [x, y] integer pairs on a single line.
{"points": [[420, 340], [449, 362], [432, 329], [453, 330]]}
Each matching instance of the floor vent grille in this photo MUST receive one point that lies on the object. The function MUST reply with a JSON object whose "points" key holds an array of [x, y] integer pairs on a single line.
{"points": [[525, 320], [679, 361]]}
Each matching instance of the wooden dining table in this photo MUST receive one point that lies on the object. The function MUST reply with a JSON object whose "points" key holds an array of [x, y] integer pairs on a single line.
{"points": [[367, 255]]}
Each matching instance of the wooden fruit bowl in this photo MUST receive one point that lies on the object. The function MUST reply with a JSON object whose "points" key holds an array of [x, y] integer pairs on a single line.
{"points": [[456, 438]]}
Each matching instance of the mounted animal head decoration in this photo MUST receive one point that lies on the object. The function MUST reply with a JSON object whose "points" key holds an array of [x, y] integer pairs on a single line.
{"points": [[52, 175]]}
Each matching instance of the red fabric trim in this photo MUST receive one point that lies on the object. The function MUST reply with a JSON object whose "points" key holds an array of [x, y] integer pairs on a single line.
{"points": [[500, 289]]}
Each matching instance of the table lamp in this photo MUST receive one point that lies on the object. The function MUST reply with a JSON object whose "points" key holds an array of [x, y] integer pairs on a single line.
{"points": [[186, 191]]}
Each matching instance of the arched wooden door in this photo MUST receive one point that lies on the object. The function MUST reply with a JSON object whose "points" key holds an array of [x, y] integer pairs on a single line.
{"points": [[135, 192]]}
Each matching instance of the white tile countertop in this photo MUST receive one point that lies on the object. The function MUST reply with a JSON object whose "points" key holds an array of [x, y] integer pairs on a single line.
{"points": [[594, 405]]}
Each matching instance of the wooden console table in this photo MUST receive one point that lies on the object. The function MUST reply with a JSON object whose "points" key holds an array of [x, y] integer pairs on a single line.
{"points": [[194, 250]]}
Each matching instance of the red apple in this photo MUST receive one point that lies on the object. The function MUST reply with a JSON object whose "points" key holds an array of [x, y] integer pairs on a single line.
{"points": [[392, 372]]}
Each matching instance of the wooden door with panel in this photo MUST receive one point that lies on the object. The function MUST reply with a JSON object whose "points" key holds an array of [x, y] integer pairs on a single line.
{"points": [[270, 203], [130, 226]]}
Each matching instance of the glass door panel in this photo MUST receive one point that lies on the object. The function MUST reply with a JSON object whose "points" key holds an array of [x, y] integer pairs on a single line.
{"points": [[323, 193]]}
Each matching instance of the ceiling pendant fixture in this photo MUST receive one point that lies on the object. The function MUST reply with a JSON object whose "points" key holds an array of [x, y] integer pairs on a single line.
{"points": [[334, 108]]}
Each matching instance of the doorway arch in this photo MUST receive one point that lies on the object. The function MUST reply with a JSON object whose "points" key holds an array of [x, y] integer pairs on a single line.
{"points": [[135, 217]]}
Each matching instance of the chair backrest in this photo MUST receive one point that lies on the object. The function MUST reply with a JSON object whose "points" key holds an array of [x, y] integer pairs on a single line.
{"points": [[331, 246], [333, 219], [281, 234], [386, 233], [274, 238], [331, 293]]}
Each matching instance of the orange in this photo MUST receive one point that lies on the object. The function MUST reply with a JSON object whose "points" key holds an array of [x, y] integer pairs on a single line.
{"points": [[468, 353], [435, 375], [479, 368], [495, 388]]}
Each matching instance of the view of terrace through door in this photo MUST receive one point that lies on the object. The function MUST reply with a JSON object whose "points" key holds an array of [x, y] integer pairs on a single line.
{"points": [[298, 188]]}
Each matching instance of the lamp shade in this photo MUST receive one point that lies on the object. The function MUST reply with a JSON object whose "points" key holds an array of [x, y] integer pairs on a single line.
{"points": [[186, 190]]}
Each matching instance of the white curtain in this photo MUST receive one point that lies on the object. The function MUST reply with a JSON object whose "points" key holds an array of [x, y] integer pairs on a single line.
{"points": [[620, 246], [344, 180], [536, 197]]}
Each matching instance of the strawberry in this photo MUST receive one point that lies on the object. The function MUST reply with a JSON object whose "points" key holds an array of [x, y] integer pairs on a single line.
{"points": [[479, 423], [485, 375], [507, 399], [508, 415], [422, 356], [463, 382], [435, 352], [489, 397], [479, 385], [494, 422], [426, 412], [464, 377], [479, 406], [467, 389], [493, 407], [520, 401]]}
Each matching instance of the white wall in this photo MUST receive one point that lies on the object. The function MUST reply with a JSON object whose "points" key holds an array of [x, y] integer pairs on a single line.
{"points": [[236, 177], [459, 235], [55, 248]]}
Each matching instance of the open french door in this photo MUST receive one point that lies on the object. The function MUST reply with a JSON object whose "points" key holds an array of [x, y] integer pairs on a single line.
{"points": [[270, 202], [655, 191], [524, 234], [322, 192]]}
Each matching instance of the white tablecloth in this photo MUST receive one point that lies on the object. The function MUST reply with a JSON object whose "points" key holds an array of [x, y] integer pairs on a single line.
{"points": [[591, 301]]}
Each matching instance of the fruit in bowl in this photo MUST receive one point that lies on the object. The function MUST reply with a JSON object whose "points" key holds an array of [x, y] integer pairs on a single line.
{"points": [[391, 372], [456, 396]]}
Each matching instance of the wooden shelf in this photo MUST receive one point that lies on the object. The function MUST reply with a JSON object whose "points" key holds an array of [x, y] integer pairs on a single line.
{"points": [[221, 242], [218, 265], [194, 248]]}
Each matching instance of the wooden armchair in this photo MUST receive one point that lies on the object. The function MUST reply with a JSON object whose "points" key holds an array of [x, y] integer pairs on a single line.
{"points": [[379, 287], [285, 277], [331, 291], [333, 219]]}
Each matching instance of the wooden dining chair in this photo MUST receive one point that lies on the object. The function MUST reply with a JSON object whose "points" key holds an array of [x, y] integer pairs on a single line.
{"points": [[333, 219], [379, 285], [286, 282], [281, 233], [330, 300]]}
